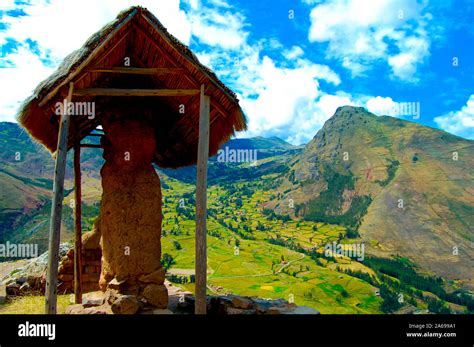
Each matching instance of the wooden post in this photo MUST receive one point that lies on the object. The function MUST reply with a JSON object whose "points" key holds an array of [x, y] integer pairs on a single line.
{"points": [[77, 222], [56, 210], [201, 204]]}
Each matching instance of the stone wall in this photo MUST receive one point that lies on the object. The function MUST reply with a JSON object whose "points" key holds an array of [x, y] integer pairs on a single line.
{"points": [[91, 265], [31, 279]]}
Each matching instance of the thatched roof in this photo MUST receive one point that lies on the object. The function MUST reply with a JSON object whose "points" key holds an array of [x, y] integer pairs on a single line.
{"points": [[137, 34]]}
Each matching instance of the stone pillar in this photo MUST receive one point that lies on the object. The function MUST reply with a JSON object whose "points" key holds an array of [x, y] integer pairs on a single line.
{"points": [[130, 214]]}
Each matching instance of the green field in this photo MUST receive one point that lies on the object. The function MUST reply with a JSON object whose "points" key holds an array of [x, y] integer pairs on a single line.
{"points": [[257, 267]]}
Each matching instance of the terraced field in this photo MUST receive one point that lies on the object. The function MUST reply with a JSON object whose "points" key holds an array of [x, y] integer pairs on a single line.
{"points": [[241, 260]]}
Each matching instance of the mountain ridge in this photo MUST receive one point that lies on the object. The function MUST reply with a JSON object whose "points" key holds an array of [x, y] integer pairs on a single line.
{"points": [[365, 171]]}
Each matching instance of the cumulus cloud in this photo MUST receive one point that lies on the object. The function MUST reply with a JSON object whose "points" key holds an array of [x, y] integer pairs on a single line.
{"points": [[380, 105], [281, 97], [293, 53], [218, 25], [57, 28], [360, 33], [459, 122], [18, 83]]}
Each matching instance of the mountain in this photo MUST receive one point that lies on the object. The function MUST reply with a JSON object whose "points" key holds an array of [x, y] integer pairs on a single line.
{"points": [[271, 154], [401, 187], [26, 177], [280, 211]]}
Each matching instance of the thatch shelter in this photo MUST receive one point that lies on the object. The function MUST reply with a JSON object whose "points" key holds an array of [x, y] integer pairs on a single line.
{"points": [[147, 88]]}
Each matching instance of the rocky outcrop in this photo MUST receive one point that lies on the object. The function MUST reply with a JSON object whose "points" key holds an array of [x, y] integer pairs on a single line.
{"points": [[30, 279]]}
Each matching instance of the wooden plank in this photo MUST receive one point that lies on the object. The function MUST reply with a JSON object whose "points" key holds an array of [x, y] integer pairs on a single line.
{"points": [[188, 75], [201, 204], [56, 211], [77, 224], [138, 70], [134, 92], [164, 54], [91, 56], [90, 145], [105, 55]]}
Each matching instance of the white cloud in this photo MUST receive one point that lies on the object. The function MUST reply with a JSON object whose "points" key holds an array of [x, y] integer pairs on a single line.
{"points": [[380, 105], [218, 25], [63, 26], [279, 98], [360, 33], [60, 27], [460, 122], [7, 5], [18, 83], [282, 101], [293, 53]]}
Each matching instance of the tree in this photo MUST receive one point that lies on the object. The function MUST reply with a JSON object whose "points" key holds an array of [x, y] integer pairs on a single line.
{"points": [[167, 261], [439, 307], [177, 245], [390, 300]]}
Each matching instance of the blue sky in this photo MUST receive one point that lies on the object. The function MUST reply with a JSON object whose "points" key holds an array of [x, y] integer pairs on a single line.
{"points": [[292, 63]]}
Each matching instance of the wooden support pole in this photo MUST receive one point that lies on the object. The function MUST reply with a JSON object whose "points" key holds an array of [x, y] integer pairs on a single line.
{"points": [[56, 210], [201, 204], [77, 223]]}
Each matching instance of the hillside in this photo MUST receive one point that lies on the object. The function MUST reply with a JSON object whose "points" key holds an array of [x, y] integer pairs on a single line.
{"points": [[396, 183], [251, 249], [26, 175]]}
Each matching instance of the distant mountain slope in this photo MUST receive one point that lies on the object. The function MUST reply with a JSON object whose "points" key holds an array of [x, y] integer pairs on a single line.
{"points": [[25, 177], [220, 172], [406, 188], [260, 143], [26, 174]]}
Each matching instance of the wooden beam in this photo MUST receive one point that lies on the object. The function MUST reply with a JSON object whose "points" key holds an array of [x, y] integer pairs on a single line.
{"points": [[134, 92], [164, 54], [138, 70], [77, 223], [56, 210], [201, 204], [105, 55], [87, 61], [188, 76], [90, 145]]}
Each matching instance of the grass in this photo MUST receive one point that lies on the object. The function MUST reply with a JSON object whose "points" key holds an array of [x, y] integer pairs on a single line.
{"points": [[32, 305]]}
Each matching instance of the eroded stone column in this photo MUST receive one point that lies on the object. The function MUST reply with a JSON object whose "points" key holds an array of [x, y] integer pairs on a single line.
{"points": [[130, 214]]}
